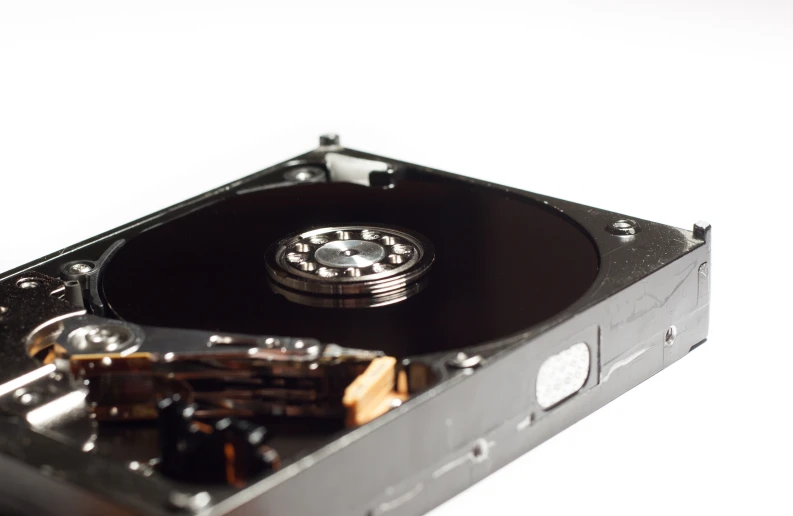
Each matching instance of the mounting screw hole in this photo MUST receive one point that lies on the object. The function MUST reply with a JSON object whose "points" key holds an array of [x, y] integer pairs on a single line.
{"points": [[28, 283], [623, 227], [670, 335]]}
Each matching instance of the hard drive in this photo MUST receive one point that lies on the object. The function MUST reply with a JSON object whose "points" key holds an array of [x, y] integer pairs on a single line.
{"points": [[341, 333]]}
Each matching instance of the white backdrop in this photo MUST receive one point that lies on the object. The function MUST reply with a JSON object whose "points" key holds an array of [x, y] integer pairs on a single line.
{"points": [[671, 111]]}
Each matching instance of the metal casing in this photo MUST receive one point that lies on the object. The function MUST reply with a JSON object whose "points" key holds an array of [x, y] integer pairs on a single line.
{"points": [[647, 308]]}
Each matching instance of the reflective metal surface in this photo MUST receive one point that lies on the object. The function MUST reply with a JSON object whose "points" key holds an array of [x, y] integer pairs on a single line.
{"points": [[471, 421], [350, 260], [342, 254]]}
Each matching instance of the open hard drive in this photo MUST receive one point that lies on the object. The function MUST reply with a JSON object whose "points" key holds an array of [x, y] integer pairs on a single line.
{"points": [[341, 333]]}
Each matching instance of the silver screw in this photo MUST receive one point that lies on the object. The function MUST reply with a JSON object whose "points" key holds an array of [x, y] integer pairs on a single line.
{"points": [[108, 336], [669, 336], [189, 502], [623, 227], [302, 173], [3, 310], [296, 257], [368, 234], [27, 283], [463, 361], [26, 398], [102, 337], [80, 268], [329, 139], [380, 267], [327, 273], [402, 249]]}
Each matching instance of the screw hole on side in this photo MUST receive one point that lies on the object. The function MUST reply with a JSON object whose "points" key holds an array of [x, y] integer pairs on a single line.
{"points": [[670, 335]]}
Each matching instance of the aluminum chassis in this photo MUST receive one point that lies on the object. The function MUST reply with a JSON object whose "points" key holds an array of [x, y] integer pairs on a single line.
{"points": [[647, 308]]}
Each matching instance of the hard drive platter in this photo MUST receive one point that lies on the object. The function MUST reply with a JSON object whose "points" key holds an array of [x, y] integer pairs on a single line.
{"points": [[378, 334], [502, 264]]}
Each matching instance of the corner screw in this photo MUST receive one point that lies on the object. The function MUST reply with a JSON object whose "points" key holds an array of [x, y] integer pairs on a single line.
{"points": [[463, 361], [81, 268], [329, 139], [623, 227]]}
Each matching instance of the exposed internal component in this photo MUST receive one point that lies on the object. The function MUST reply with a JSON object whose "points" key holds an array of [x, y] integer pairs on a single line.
{"points": [[209, 392], [229, 450], [173, 363], [372, 394], [328, 266], [128, 369]]}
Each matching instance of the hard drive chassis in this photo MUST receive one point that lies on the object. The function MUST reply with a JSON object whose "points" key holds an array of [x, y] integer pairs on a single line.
{"points": [[647, 308]]}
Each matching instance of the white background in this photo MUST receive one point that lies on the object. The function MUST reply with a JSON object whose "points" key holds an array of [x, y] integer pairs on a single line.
{"points": [[671, 111]]}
